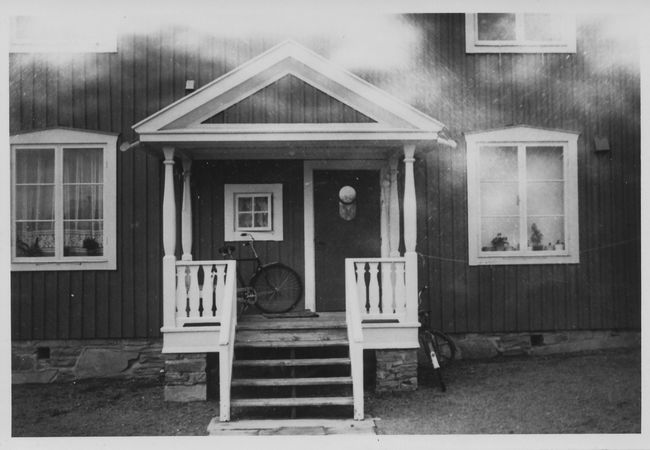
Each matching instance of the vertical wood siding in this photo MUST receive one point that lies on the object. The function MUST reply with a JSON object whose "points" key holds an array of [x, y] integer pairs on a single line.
{"points": [[209, 178], [284, 101], [586, 92]]}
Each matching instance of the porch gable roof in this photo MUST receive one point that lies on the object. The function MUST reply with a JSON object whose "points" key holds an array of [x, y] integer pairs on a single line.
{"points": [[390, 119]]}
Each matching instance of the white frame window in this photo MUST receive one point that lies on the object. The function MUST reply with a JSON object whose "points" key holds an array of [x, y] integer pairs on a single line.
{"points": [[564, 39], [63, 34], [272, 193], [58, 141], [259, 204], [519, 140]]}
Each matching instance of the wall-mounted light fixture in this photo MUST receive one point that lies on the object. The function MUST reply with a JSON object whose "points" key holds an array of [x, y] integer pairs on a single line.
{"points": [[347, 203]]}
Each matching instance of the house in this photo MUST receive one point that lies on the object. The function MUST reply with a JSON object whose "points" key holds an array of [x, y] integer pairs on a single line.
{"points": [[494, 158]]}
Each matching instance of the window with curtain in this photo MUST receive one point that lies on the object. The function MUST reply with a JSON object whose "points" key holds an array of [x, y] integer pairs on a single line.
{"points": [[63, 203], [522, 196], [519, 33]]}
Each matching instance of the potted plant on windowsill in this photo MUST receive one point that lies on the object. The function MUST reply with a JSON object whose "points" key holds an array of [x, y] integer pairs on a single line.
{"points": [[500, 243], [91, 246], [536, 237]]}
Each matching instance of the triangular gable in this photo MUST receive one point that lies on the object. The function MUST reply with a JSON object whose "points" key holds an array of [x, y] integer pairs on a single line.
{"points": [[196, 116], [289, 100]]}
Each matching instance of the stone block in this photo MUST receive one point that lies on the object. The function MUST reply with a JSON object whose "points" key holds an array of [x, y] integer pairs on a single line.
{"points": [[396, 370], [39, 376], [99, 362], [476, 348], [185, 365], [23, 362], [183, 393], [555, 338]]}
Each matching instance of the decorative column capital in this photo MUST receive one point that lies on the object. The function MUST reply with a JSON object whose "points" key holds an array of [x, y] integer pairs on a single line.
{"points": [[168, 151], [409, 153]]}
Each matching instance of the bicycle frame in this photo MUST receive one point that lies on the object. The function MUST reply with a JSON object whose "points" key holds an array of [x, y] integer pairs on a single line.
{"points": [[245, 293], [273, 297]]}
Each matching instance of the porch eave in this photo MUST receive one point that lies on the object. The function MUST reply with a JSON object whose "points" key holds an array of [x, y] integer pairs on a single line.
{"points": [[184, 138]]}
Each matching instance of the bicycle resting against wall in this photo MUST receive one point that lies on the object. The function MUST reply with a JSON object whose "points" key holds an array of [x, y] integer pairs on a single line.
{"points": [[439, 347], [272, 288]]}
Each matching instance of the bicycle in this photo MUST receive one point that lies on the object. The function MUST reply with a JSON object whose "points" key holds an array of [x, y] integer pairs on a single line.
{"points": [[439, 347], [273, 288]]}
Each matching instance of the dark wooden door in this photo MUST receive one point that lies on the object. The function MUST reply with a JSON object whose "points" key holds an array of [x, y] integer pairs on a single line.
{"points": [[336, 238]]}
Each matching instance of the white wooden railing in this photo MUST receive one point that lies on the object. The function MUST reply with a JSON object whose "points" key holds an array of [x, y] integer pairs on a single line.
{"points": [[201, 288], [227, 342], [386, 288], [355, 337], [206, 294]]}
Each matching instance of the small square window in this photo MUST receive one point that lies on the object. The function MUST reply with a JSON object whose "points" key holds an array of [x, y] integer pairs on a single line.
{"points": [[253, 212], [255, 209]]}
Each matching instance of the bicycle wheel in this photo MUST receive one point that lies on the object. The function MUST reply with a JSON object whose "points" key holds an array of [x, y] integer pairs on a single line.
{"points": [[444, 347], [278, 288]]}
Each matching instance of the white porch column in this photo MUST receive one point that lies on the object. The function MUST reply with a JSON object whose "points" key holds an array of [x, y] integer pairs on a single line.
{"points": [[393, 202], [410, 234], [186, 212], [169, 241], [384, 176], [410, 219]]}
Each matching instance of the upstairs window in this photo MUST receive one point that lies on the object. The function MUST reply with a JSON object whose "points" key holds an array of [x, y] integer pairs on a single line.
{"points": [[519, 33], [44, 34], [63, 200], [522, 196]]}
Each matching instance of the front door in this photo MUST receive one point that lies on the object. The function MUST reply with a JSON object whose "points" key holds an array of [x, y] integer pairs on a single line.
{"points": [[343, 230]]}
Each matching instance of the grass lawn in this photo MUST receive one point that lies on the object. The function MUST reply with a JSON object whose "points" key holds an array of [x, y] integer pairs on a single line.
{"points": [[595, 392]]}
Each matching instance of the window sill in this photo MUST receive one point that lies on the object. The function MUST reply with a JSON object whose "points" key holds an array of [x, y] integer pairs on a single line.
{"points": [[519, 48], [524, 258], [75, 264]]}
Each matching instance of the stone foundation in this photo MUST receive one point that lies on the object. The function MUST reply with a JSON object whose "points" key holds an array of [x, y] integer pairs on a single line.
{"points": [[185, 377], [397, 370], [67, 360], [479, 346]]}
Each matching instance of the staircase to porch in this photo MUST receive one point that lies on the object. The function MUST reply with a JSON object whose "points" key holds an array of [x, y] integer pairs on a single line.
{"points": [[292, 367]]}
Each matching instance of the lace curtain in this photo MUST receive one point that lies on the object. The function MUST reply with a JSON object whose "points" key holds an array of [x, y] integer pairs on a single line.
{"points": [[82, 189]]}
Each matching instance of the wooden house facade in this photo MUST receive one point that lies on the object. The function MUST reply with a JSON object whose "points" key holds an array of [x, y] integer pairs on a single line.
{"points": [[454, 141]]}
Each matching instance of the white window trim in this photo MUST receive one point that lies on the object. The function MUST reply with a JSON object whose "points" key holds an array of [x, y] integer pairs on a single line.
{"points": [[253, 195], [519, 45], [232, 190], [524, 136], [58, 139], [104, 42]]}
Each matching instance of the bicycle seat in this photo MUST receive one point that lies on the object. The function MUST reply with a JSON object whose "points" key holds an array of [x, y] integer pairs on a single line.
{"points": [[226, 250]]}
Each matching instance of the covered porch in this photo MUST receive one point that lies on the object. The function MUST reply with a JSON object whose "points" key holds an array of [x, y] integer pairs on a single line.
{"points": [[380, 291]]}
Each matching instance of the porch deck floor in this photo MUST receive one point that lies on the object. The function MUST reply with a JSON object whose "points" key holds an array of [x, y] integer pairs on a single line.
{"points": [[323, 320]]}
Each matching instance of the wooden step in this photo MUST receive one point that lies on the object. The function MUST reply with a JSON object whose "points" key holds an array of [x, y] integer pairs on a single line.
{"points": [[292, 401], [292, 362], [289, 344], [291, 325], [313, 381], [290, 335]]}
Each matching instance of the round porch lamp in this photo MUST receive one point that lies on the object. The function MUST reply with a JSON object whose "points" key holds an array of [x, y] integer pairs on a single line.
{"points": [[347, 203]]}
